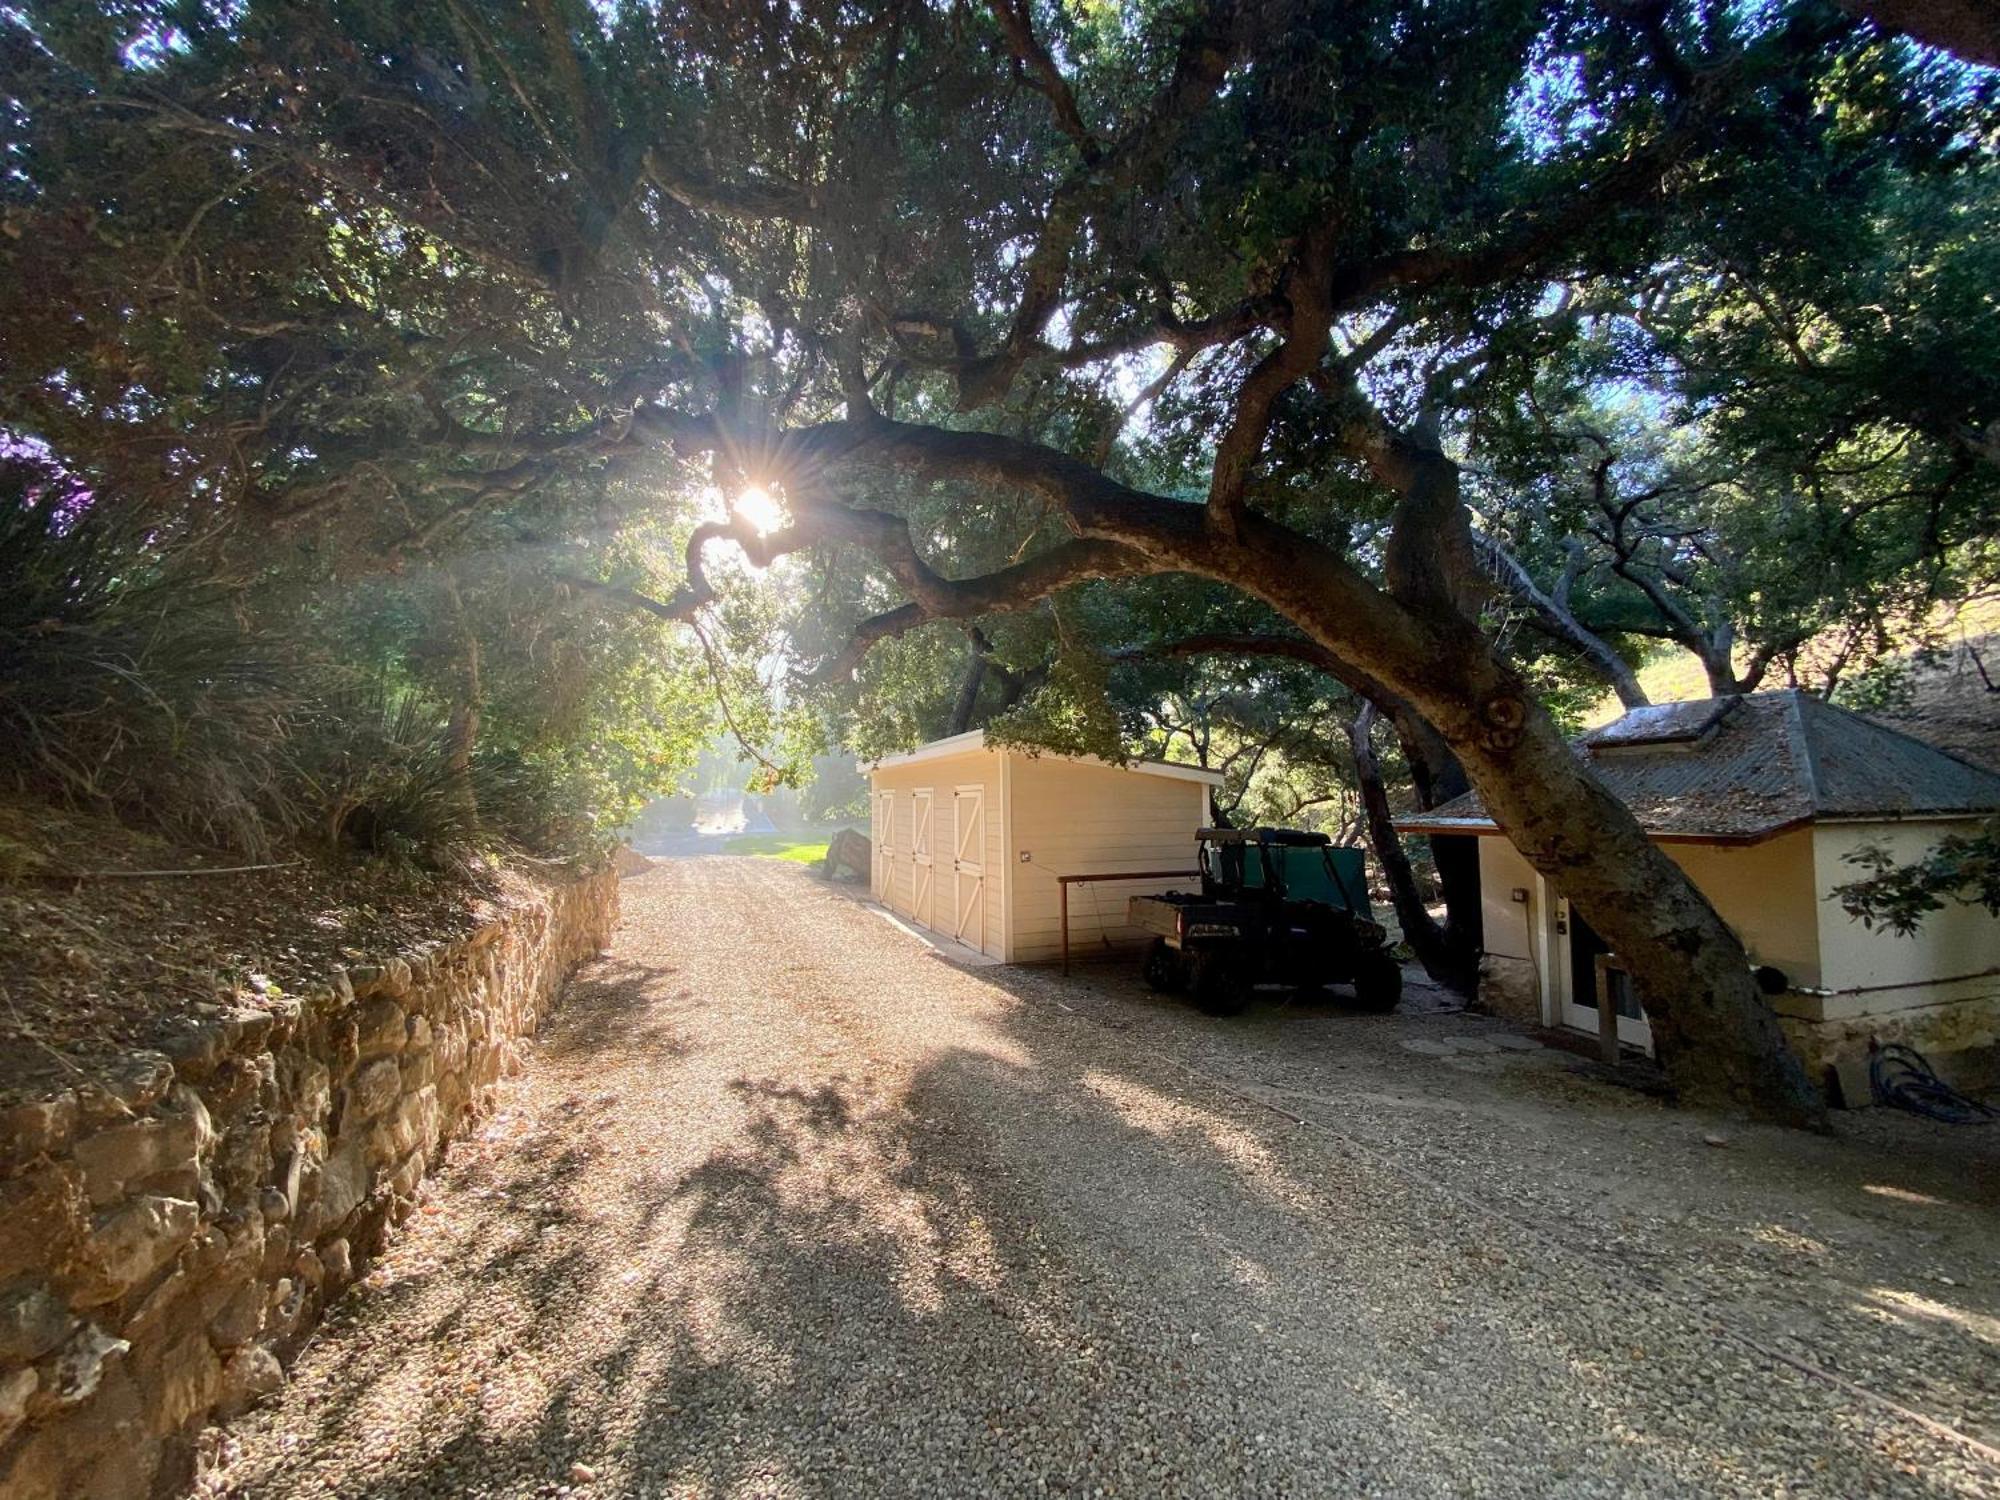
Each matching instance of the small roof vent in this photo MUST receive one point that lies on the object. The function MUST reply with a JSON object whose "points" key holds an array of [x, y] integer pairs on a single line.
{"points": [[1662, 724]]}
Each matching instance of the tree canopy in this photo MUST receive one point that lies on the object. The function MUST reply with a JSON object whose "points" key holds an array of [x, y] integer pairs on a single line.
{"points": [[1031, 348]]}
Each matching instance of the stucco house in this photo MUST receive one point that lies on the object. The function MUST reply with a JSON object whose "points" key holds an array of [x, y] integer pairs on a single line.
{"points": [[1760, 799], [977, 843]]}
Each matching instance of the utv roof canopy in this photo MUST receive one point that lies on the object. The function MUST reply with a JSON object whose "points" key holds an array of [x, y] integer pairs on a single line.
{"points": [[1291, 836]]}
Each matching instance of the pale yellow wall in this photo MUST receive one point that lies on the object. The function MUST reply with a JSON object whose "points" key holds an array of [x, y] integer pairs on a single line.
{"points": [[942, 777], [1925, 969], [1764, 891], [1504, 921], [1775, 895], [1075, 818]]}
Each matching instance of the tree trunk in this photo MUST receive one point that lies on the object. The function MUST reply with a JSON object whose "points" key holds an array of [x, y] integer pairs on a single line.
{"points": [[1721, 673], [1457, 859], [462, 733], [1436, 776], [1714, 1031], [1445, 957], [968, 690], [1717, 1036]]}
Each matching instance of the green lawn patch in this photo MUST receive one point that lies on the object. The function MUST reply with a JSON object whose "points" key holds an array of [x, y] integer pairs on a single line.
{"points": [[804, 851]]}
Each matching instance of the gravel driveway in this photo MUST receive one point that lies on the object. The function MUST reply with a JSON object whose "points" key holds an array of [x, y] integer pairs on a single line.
{"points": [[787, 1205]]}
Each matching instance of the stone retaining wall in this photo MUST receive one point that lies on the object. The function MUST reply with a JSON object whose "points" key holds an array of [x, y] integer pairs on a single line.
{"points": [[169, 1237], [1511, 988], [1959, 1036]]}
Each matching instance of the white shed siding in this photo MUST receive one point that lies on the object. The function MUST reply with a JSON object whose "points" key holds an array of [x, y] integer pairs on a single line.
{"points": [[1504, 922], [1076, 818]]}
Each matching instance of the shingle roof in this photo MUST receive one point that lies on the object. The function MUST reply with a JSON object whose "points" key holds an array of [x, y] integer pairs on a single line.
{"points": [[1741, 768]]}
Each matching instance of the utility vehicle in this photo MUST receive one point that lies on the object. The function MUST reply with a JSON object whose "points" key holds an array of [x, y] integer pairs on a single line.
{"points": [[1277, 906]]}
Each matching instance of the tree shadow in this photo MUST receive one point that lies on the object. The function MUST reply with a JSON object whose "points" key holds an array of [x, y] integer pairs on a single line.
{"points": [[1024, 1255]]}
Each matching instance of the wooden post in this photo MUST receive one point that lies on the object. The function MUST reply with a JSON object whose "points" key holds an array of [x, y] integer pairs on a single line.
{"points": [[1607, 1013], [1064, 882]]}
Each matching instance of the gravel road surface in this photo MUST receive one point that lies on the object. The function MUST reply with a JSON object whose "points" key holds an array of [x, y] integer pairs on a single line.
{"points": [[788, 1205]]}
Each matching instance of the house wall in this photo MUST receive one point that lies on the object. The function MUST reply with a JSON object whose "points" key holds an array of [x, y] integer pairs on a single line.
{"points": [[1509, 984], [1957, 940], [1938, 991], [1075, 818], [1764, 891], [941, 777]]}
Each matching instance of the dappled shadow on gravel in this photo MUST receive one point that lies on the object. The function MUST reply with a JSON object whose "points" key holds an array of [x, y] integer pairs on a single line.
{"points": [[785, 1205]]}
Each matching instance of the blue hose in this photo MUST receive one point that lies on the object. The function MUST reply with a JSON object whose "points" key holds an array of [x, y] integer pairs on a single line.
{"points": [[1902, 1077]]}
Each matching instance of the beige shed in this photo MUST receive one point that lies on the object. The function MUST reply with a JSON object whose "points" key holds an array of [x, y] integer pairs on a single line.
{"points": [[977, 843]]}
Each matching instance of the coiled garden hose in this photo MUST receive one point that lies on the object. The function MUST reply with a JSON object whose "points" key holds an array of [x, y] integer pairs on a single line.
{"points": [[1901, 1076]]}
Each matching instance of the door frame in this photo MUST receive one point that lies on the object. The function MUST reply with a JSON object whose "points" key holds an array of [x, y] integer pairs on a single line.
{"points": [[1559, 1002], [973, 868]]}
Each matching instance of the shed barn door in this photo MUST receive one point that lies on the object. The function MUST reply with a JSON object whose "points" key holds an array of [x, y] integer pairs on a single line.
{"points": [[920, 858], [884, 855], [968, 865]]}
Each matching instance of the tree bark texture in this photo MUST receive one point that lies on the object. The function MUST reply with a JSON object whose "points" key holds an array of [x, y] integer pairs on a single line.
{"points": [[1442, 952], [462, 732]]}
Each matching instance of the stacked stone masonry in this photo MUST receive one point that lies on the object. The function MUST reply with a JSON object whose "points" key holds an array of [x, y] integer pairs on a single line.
{"points": [[169, 1235]]}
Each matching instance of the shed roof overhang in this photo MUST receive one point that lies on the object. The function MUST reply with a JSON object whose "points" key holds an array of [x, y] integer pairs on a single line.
{"points": [[974, 741]]}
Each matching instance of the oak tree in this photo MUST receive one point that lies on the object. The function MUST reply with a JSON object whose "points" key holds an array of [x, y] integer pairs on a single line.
{"points": [[996, 303]]}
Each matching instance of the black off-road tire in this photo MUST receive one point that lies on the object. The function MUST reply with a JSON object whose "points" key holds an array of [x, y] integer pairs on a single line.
{"points": [[1163, 972], [1219, 986], [1378, 983]]}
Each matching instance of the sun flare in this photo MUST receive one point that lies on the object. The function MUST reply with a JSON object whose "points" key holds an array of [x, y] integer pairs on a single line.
{"points": [[761, 509]]}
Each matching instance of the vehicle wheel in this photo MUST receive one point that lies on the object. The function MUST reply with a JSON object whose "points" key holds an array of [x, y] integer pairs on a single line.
{"points": [[1220, 988], [1162, 970], [1378, 982]]}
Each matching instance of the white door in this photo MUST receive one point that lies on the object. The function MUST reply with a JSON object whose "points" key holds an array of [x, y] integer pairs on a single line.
{"points": [[968, 865], [1580, 977], [921, 898], [882, 842]]}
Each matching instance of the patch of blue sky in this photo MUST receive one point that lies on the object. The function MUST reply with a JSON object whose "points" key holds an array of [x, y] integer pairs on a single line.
{"points": [[17, 447], [152, 44], [1132, 375], [1551, 109]]}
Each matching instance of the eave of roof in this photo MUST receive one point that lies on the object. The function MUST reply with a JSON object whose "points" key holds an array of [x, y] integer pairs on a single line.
{"points": [[973, 742], [1428, 823], [1481, 828]]}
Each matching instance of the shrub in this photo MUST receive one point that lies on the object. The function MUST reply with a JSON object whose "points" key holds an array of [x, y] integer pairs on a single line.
{"points": [[129, 682], [381, 771]]}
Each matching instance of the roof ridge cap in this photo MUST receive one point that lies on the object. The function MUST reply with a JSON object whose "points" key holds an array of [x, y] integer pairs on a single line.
{"points": [[1808, 763]]}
